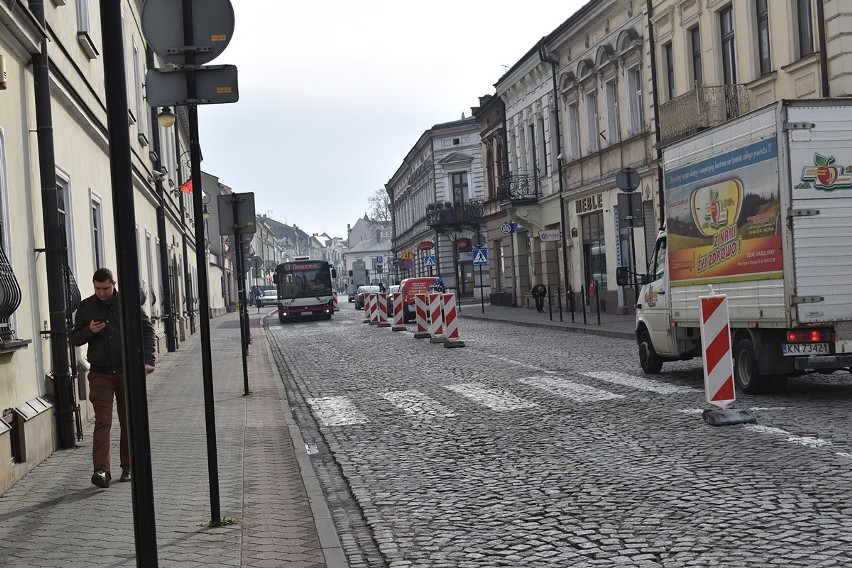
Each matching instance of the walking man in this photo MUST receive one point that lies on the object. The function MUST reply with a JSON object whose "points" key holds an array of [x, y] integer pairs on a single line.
{"points": [[98, 323], [539, 293]]}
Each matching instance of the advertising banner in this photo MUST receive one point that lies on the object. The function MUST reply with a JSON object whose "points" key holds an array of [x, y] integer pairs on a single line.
{"points": [[724, 217]]}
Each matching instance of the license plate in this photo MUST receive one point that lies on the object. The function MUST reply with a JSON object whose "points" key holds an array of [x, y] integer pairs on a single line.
{"points": [[793, 349], [306, 313]]}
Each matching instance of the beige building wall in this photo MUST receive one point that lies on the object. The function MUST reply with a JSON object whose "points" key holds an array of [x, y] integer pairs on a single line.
{"points": [[82, 170]]}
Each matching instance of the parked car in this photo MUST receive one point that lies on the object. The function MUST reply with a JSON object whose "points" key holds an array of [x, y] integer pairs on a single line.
{"points": [[269, 298], [361, 296], [351, 297]]}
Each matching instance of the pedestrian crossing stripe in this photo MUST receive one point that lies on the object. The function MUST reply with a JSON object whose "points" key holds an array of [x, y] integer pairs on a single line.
{"points": [[342, 411]]}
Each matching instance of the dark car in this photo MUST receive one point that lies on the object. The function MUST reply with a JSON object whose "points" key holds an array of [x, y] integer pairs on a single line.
{"points": [[361, 296]]}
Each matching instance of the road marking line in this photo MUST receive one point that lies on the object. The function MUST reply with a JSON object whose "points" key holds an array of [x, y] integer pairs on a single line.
{"points": [[565, 388], [336, 411], [415, 403], [495, 399], [801, 440], [640, 383], [517, 363]]}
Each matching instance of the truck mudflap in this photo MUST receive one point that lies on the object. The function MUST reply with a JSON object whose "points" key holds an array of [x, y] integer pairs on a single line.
{"points": [[823, 362]]}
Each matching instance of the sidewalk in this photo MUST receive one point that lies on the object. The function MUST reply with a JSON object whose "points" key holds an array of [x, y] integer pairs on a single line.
{"points": [[611, 325], [54, 516]]}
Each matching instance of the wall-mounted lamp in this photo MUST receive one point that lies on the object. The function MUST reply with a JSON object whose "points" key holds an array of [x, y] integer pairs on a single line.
{"points": [[166, 117], [573, 231], [205, 214]]}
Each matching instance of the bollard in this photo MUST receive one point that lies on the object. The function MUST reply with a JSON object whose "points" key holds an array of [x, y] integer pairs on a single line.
{"points": [[382, 310], [436, 318], [451, 321], [398, 316], [421, 316]]}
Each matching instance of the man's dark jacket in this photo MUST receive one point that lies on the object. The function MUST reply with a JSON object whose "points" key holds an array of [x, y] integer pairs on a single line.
{"points": [[104, 354]]}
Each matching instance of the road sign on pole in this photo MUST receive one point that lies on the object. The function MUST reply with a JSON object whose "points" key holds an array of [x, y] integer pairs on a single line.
{"points": [[480, 256]]}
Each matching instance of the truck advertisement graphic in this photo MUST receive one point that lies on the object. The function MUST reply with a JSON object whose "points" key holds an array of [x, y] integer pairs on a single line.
{"points": [[724, 216]]}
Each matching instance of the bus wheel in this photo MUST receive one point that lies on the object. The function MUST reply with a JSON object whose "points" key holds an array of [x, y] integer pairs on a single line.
{"points": [[748, 377], [282, 319]]}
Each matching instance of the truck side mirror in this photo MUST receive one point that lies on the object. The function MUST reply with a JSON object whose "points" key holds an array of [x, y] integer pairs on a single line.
{"points": [[333, 273], [622, 276], [275, 278]]}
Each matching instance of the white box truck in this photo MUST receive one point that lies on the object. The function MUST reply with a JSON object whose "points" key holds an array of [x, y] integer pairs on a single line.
{"points": [[758, 208]]}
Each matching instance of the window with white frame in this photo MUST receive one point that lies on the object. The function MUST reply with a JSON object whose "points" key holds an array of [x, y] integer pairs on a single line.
{"points": [[97, 232], [805, 30], [612, 129], [460, 187], [138, 80], [668, 56], [592, 120], [541, 147], [573, 126], [152, 297], [729, 53], [634, 100], [84, 30], [533, 165], [764, 63], [695, 48]]}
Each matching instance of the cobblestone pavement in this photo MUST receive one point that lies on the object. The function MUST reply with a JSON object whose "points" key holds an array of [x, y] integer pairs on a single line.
{"points": [[537, 447]]}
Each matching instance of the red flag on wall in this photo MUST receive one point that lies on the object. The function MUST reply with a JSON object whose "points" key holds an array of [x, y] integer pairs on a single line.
{"points": [[186, 187]]}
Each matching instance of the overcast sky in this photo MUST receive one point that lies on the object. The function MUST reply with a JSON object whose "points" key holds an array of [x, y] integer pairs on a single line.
{"points": [[334, 93]]}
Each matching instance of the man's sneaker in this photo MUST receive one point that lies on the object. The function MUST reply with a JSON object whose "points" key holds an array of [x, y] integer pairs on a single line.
{"points": [[101, 479], [125, 474]]}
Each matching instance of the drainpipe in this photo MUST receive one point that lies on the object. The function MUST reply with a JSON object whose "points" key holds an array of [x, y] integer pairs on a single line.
{"points": [[563, 229], [653, 49], [823, 53], [55, 252], [171, 343]]}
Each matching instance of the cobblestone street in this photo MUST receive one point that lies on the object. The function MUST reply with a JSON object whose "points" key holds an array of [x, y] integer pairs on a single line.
{"points": [[537, 447]]}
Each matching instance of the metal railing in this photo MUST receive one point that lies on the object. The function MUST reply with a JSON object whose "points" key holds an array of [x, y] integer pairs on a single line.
{"points": [[449, 213], [519, 186], [701, 108]]}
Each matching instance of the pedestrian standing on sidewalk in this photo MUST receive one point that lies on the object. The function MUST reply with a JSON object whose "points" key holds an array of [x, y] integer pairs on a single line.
{"points": [[98, 323], [539, 293]]}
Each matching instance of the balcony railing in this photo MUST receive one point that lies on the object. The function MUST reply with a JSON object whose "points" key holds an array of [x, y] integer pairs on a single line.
{"points": [[701, 108], [454, 214], [519, 187]]}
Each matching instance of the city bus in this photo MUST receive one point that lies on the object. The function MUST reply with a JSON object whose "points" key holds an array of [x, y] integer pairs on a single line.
{"points": [[304, 290]]}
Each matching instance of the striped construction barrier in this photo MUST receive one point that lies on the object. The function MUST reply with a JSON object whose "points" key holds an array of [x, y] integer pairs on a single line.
{"points": [[451, 320], [370, 308], [716, 348], [334, 299], [382, 310], [436, 318], [421, 316], [398, 316]]}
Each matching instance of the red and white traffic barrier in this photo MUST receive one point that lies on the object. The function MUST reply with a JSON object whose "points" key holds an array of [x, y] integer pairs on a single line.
{"points": [[421, 317], [371, 308], [451, 320], [334, 298], [398, 316], [436, 318], [716, 346], [382, 310]]}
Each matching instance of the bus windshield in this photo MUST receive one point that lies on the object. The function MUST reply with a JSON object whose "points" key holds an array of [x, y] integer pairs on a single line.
{"points": [[304, 279]]}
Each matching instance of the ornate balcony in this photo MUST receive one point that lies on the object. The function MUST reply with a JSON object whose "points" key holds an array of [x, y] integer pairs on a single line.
{"points": [[519, 188], [454, 215], [701, 108]]}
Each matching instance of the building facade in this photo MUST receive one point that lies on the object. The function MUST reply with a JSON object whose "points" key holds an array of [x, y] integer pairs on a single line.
{"points": [[436, 200], [57, 211]]}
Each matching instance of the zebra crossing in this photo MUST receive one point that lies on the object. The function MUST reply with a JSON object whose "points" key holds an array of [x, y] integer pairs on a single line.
{"points": [[413, 403]]}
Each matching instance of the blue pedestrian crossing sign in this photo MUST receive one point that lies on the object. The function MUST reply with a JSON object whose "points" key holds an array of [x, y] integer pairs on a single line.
{"points": [[430, 260], [480, 256]]}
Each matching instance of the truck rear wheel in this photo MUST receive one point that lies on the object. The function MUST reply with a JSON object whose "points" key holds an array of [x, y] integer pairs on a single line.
{"points": [[648, 358], [746, 372]]}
